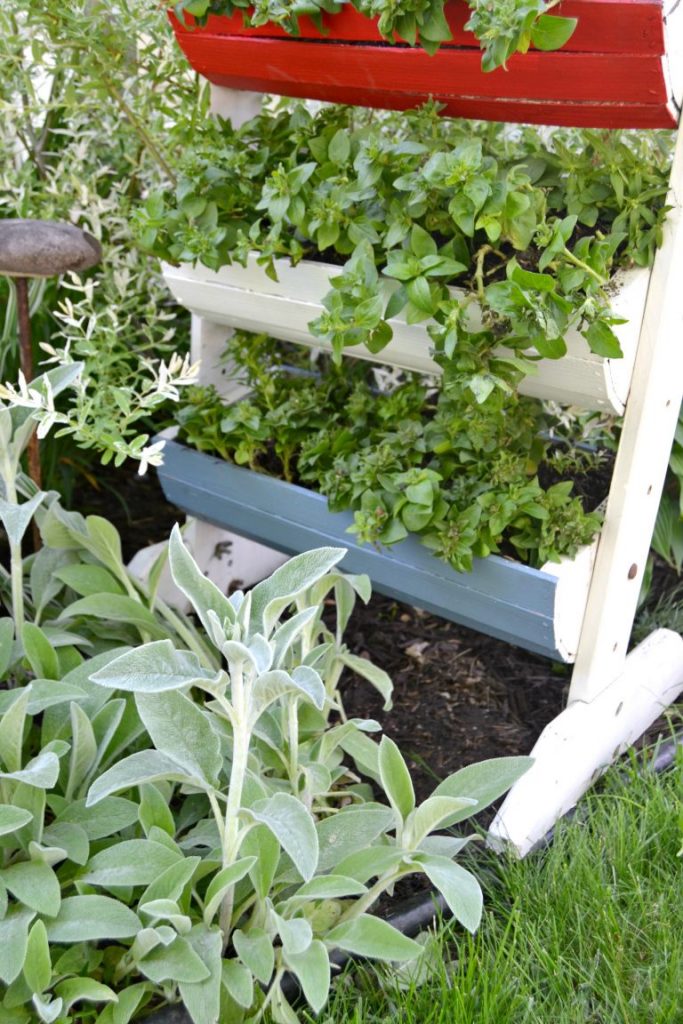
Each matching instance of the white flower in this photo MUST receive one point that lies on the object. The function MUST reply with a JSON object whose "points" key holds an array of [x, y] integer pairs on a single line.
{"points": [[151, 456]]}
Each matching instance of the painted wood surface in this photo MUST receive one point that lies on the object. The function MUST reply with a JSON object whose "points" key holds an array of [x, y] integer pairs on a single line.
{"points": [[540, 610], [576, 748], [247, 298], [641, 463], [613, 73]]}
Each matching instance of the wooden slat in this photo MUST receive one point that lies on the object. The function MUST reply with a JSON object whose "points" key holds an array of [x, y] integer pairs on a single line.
{"points": [[606, 26], [500, 597], [607, 90], [247, 298]]}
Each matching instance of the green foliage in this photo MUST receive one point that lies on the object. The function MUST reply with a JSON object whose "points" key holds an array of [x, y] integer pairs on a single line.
{"points": [[155, 846], [528, 227], [460, 472], [503, 28], [87, 101]]}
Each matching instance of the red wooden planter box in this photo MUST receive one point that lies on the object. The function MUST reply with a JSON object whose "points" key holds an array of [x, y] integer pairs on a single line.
{"points": [[614, 71]]}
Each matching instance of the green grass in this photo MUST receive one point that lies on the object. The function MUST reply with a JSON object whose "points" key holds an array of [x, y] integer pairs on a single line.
{"points": [[589, 931]]}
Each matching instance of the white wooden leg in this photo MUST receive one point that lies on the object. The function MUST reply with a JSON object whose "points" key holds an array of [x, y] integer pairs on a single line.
{"points": [[640, 468], [575, 749], [234, 104]]}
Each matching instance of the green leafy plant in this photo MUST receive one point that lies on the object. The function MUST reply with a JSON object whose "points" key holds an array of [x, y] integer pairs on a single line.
{"points": [[456, 467], [87, 95], [503, 28], [491, 240]]}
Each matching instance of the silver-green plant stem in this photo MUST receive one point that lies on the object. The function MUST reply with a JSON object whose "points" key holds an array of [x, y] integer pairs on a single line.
{"points": [[241, 737], [16, 561]]}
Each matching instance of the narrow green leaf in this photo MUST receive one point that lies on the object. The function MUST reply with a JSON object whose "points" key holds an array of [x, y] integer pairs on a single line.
{"points": [[91, 918], [369, 936], [131, 862], [145, 766], [312, 968], [12, 723], [203, 595], [376, 676], [87, 580], [180, 729], [115, 608], [13, 818], [35, 885], [395, 778], [6, 645], [239, 983], [153, 668], [458, 887], [223, 881], [202, 999], [293, 827], [39, 652], [112, 814], [483, 782], [37, 964]]}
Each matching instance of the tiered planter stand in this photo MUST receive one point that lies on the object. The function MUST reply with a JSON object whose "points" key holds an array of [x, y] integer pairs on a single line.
{"points": [[582, 610]]}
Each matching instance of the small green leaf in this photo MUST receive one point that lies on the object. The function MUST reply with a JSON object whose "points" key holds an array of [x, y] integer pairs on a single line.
{"points": [[6, 645], [15, 518], [483, 782], [603, 341], [35, 885], [131, 862], [39, 652], [255, 950], [91, 918], [74, 990], [271, 597], [374, 675], [153, 668], [459, 888], [351, 830], [177, 962], [551, 33], [223, 881], [395, 778], [112, 814], [115, 608], [293, 827], [12, 722], [339, 149], [369, 936], [37, 965], [13, 818], [312, 968]]}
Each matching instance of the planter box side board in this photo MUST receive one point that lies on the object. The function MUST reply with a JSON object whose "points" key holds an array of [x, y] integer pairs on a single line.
{"points": [[245, 297], [500, 597]]}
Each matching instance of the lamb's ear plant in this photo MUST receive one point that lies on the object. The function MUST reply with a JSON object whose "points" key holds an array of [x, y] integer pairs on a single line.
{"points": [[280, 850]]}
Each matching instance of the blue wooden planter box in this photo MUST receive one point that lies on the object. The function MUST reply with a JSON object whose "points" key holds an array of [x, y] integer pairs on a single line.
{"points": [[500, 597]]}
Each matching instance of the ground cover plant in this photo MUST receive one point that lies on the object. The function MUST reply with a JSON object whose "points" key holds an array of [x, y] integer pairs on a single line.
{"points": [[408, 459], [530, 228], [588, 930], [154, 846], [501, 29]]}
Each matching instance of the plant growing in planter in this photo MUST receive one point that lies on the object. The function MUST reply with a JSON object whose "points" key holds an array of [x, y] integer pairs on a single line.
{"points": [[456, 467], [501, 29], [488, 238]]}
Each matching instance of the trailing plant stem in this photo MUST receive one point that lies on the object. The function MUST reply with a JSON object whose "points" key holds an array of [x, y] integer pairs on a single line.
{"points": [[583, 266], [241, 738]]}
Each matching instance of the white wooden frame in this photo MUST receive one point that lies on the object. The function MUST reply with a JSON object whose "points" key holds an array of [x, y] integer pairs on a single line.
{"points": [[613, 697]]}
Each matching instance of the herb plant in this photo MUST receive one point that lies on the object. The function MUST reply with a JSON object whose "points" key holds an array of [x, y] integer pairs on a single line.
{"points": [[530, 229], [501, 28], [460, 471]]}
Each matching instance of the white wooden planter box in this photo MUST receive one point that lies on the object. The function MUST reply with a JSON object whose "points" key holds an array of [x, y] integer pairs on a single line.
{"points": [[245, 297]]}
